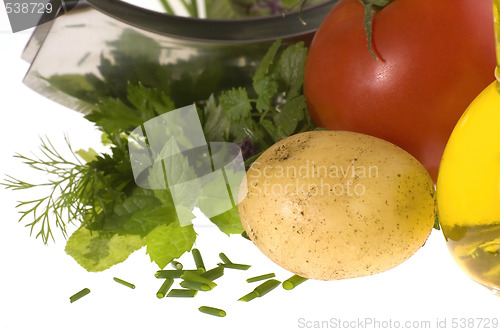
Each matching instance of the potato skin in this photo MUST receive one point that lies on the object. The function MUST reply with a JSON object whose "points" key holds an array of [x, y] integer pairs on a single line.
{"points": [[332, 205]]}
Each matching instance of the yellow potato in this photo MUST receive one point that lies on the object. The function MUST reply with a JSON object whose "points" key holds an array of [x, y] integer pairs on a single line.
{"points": [[334, 204]]}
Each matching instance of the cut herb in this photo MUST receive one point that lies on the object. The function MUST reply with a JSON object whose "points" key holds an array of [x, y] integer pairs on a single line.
{"points": [[164, 288], [224, 258], [195, 277], [182, 293], [212, 311], [177, 265], [261, 277], [198, 260], [235, 266], [124, 283], [261, 290], [79, 295], [293, 282], [214, 273], [201, 286]]}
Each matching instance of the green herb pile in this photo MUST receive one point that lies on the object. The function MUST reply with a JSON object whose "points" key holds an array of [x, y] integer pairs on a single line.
{"points": [[234, 9], [97, 192]]}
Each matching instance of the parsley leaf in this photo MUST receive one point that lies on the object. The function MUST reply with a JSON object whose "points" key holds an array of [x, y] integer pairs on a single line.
{"points": [[236, 104]]}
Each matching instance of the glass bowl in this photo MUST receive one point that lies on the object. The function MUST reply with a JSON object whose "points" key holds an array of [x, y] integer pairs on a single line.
{"points": [[105, 44]]}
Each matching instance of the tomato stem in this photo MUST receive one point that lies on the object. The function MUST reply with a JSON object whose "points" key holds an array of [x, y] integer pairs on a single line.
{"points": [[371, 7]]}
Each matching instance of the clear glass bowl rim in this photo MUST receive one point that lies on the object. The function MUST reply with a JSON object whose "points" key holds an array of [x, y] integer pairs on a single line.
{"points": [[212, 30]]}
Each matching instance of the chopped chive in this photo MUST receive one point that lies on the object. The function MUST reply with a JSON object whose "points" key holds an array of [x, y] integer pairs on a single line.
{"points": [[212, 311], [177, 265], [164, 288], [266, 287], [214, 273], [182, 293], [161, 274], [124, 283], [79, 295], [245, 235], [261, 290], [261, 277], [249, 297], [235, 266], [198, 260], [201, 286], [192, 276], [224, 258], [293, 282]]}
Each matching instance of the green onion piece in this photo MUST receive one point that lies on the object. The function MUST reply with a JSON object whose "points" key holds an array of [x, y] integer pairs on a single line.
{"points": [[235, 266], [198, 260], [124, 283], [224, 258], [214, 273], [261, 290], [245, 235], [261, 277], [79, 295], [164, 288], [212, 311], [293, 282], [266, 287], [177, 265], [192, 276], [182, 293], [195, 285], [161, 274], [249, 297]]}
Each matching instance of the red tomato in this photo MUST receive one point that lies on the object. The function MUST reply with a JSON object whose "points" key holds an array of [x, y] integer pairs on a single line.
{"points": [[435, 56]]}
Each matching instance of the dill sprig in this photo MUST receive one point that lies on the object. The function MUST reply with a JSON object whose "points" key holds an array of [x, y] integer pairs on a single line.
{"points": [[69, 190]]}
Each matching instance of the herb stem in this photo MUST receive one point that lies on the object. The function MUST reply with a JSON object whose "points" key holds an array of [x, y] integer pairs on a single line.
{"points": [[193, 276], [212, 311], [293, 282], [261, 277], [224, 258], [198, 260], [182, 293], [201, 286], [164, 288], [177, 265], [124, 283], [214, 273], [261, 290], [161, 274], [79, 295], [235, 266]]}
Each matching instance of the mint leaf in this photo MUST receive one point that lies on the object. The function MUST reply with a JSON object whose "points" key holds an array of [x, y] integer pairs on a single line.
{"points": [[97, 251], [264, 84], [228, 222], [216, 125], [266, 89], [167, 242], [264, 67], [291, 113], [290, 69], [236, 104]]}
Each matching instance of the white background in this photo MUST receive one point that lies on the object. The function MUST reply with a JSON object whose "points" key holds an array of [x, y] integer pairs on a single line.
{"points": [[36, 280]]}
